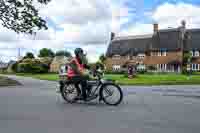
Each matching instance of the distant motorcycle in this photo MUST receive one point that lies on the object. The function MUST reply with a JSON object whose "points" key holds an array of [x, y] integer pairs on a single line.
{"points": [[105, 90]]}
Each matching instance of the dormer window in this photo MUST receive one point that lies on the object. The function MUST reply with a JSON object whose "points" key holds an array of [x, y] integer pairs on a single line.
{"points": [[196, 53], [141, 55], [116, 57]]}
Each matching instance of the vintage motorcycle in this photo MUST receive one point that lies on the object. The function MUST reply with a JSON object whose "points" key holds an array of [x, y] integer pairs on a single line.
{"points": [[105, 90]]}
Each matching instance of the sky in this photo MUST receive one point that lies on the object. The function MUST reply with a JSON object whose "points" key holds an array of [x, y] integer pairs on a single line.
{"points": [[88, 24]]}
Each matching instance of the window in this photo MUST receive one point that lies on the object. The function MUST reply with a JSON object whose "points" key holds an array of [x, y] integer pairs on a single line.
{"points": [[141, 55], [195, 67], [196, 53], [116, 67], [153, 54], [162, 66], [159, 53], [164, 53], [116, 57]]}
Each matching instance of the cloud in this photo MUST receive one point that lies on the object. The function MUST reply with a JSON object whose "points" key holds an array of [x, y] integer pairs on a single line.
{"points": [[137, 29], [166, 15], [173, 14], [83, 22], [77, 11], [93, 52]]}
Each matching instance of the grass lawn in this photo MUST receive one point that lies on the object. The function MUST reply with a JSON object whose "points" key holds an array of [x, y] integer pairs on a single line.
{"points": [[142, 79], [46, 76], [156, 79]]}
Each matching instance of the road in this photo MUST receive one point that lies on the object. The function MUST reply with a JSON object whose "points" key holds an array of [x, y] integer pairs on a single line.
{"points": [[34, 107]]}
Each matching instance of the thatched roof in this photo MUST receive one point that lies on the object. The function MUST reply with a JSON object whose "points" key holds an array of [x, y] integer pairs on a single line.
{"points": [[193, 39], [168, 39], [129, 45]]}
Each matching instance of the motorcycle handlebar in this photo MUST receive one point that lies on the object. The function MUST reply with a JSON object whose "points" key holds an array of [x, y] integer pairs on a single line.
{"points": [[97, 73]]}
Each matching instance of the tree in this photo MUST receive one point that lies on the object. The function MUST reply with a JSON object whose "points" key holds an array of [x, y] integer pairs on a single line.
{"points": [[99, 65], [46, 53], [21, 16], [29, 55], [102, 58], [187, 58], [63, 53], [31, 66]]}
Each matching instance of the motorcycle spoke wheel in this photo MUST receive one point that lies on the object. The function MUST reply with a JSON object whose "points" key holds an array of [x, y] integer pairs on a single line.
{"points": [[112, 94], [69, 93]]}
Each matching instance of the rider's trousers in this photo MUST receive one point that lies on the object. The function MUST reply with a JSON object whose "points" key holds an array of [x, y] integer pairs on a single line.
{"points": [[83, 81]]}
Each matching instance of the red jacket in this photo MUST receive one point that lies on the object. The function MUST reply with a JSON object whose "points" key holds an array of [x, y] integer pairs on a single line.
{"points": [[70, 71]]}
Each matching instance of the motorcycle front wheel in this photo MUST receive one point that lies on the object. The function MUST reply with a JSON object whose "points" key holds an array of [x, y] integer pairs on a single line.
{"points": [[111, 94]]}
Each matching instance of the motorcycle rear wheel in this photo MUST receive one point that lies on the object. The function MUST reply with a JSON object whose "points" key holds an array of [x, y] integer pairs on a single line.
{"points": [[69, 93]]}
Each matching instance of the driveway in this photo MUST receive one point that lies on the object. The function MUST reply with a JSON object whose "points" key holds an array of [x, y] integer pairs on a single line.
{"points": [[34, 107]]}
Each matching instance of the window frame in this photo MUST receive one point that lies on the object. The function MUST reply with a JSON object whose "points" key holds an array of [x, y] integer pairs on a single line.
{"points": [[116, 67], [116, 57], [196, 53]]}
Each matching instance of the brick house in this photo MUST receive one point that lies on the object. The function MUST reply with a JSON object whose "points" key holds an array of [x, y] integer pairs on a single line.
{"points": [[163, 50], [57, 62]]}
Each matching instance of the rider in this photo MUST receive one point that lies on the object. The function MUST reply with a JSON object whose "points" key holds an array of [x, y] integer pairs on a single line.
{"points": [[76, 71]]}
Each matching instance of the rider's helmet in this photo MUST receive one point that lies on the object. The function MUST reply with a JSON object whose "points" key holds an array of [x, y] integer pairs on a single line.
{"points": [[78, 52]]}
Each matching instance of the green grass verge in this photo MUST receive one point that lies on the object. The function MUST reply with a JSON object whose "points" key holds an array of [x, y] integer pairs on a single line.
{"points": [[142, 79], [48, 76], [156, 79]]}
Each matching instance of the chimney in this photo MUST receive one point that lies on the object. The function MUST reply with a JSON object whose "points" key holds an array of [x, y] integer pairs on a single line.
{"points": [[183, 24], [155, 27], [112, 36]]}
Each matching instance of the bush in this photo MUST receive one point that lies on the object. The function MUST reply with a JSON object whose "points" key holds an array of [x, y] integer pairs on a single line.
{"points": [[141, 71], [184, 70], [32, 66], [14, 67]]}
